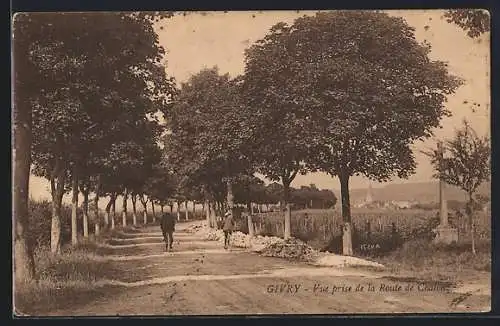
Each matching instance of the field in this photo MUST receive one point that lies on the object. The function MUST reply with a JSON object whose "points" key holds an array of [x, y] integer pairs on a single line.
{"points": [[323, 224], [401, 240]]}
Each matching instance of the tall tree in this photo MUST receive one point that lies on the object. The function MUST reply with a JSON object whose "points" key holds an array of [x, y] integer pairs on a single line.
{"points": [[372, 106], [370, 90], [465, 163], [274, 112], [25, 88]]}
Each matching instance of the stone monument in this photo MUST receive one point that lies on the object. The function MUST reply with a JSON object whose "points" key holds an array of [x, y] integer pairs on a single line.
{"points": [[445, 233]]}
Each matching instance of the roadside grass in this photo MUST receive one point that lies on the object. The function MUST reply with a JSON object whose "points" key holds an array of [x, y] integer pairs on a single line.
{"points": [[62, 279], [425, 260]]}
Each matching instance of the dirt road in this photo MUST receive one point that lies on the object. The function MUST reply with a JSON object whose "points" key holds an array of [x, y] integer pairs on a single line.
{"points": [[199, 277]]}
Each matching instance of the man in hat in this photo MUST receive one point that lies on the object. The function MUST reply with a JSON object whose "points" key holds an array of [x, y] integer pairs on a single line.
{"points": [[167, 229], [228, 228]]}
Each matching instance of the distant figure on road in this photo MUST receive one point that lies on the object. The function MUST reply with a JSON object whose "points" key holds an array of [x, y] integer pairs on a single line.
{"points": [[167, 229], [228, 228]]}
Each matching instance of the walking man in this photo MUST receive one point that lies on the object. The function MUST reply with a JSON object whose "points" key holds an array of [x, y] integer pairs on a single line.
{"points": [[228, 228], [167, 229]]}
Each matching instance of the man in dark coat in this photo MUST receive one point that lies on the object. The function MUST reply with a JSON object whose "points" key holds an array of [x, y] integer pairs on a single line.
{"points": [[167, 228], [228, 228]]}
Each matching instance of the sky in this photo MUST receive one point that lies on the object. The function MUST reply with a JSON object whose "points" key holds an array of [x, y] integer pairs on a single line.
{"points": [[196, 41]]}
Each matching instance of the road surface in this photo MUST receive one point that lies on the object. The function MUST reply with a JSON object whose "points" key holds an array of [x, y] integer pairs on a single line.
{"points": [[199, 277]]}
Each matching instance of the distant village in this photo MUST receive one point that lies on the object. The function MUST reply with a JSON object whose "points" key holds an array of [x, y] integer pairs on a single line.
{"points": [[369, 201]]}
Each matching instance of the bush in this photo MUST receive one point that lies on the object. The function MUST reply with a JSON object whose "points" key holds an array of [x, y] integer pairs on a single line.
{"points": [[425, 230], [40, 220]]}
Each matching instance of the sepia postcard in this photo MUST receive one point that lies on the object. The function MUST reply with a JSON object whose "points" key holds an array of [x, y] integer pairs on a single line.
{"points": [[251, 162]]}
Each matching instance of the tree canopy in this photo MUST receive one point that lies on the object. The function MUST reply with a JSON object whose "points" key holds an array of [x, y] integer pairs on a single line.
{"points": [[475, 22]]}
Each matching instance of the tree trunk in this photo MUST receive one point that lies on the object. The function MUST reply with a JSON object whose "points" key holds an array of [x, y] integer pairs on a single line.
{"points": [[24, 263], [134, 208], [85, 210], [124, 208], [251, 208], [74, 208], [213, 217], [153, 209], [57, 187], [194, 209], [113, 212], [145, 209], [106, 214], [97, 220], [259, 209], [230, 196], [251, 231], [178, 211], [171, 208], [206, 204], [470, 212], [288, 213], [346, 215], [161, 209], [187, 211]]}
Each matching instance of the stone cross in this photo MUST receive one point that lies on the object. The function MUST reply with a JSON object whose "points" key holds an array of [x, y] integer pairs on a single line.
{"points": [[443, 207]]}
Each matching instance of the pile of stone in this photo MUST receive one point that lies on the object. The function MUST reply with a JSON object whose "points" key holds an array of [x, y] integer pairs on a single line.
{"points": [[260, 242], [241, 240], [214, 235], [292, 249]]}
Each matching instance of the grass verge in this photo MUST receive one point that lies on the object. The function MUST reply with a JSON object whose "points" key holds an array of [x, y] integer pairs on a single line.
{"points": [[62, 279], [426, 260]]}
